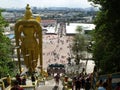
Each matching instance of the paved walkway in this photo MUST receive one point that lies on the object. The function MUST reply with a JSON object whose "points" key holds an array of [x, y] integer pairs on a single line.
{"points": [[57, 50], [50, 85]]}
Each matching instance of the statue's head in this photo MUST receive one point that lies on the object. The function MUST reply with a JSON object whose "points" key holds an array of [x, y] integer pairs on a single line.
{"points": [[28, 13]]}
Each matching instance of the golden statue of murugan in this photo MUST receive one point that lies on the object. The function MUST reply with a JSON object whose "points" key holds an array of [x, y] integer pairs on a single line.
{"points": [[28, 35]]}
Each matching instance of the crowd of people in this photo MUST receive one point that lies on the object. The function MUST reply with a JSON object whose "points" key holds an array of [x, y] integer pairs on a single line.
{"points": [[55, 49], [20, 80], [79, 81], [84, 81]]}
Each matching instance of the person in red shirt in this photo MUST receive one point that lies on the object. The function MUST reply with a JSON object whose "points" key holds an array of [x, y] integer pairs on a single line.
{"points": [[16, 86], [118, 86]]}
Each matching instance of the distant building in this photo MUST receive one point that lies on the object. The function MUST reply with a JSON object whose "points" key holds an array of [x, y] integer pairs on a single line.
{"points": [[12, 17], [71, 28], [49, 26], [52, 27], [48, 23], [88, 19]]}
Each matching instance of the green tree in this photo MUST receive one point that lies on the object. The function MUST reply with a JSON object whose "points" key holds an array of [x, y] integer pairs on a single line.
{"points": [[107, 33], [6, 64], [78, 45]]}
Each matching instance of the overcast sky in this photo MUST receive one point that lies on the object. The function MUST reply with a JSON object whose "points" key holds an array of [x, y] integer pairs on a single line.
{"points": [[44, 3]]}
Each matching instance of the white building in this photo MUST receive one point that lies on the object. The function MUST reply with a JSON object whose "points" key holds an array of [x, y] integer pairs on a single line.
{"points": [[71, 28]]}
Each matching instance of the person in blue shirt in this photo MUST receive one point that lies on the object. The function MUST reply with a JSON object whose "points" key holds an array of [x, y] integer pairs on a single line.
{"points": [[103, 87]]}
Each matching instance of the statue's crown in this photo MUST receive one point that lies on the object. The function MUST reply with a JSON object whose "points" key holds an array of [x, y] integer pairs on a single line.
{"points": [[28, 12]]}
